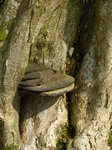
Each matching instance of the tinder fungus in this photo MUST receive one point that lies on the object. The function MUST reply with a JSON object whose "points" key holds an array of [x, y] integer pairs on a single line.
{"points": [[45, 82]]}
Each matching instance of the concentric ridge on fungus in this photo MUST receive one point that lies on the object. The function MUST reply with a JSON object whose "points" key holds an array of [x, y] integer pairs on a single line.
{"points": [[46, 82]]}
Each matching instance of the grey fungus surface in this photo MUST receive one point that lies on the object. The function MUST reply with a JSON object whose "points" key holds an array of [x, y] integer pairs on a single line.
{"points": [[45, 82], [58, 92]]}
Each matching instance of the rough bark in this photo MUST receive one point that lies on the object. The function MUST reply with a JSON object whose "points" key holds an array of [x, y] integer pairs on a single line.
{"points": [[49, 47], [42, 32], [14, 58], [91, 101]]}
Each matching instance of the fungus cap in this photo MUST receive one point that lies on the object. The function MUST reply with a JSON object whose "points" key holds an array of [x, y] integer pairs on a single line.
{"points": [[46, 82]]}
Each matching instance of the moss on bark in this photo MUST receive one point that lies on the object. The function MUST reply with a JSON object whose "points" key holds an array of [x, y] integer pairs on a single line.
{"points": [[10, 147]]}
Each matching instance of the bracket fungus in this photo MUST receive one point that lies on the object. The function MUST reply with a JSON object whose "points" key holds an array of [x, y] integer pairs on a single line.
{"points": [[45, 82]]}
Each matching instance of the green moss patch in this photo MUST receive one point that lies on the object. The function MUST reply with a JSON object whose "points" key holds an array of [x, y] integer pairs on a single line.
{"points": [[71, 131], [2, 31], [64, 132], [60, 145], [11, 147], [3, 27], [2, 35], [9, 25], [110, 139]]}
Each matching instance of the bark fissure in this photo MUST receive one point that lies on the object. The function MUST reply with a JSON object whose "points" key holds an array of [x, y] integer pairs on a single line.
{"points": [[29, 34], [79, 53], [92, 101], [44, 31], [106, 99], [71, 131]]}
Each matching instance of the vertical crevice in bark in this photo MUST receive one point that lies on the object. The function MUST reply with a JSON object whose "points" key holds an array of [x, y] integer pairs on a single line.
{"points": [[1, 3], [90, 102], [79, 50], [82, 35], [71, 130]]}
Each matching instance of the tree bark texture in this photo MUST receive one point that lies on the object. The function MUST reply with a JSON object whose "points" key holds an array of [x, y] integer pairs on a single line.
{"points": [[42, 32], [91, 109]]}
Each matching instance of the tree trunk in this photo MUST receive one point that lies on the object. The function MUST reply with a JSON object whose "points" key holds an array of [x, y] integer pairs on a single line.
{"points": [[72, 37], [91, 100], [42, 32]]}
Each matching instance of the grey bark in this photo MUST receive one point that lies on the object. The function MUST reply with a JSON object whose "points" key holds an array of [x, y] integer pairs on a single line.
{"points": [[91, 101], [42, 32]]}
